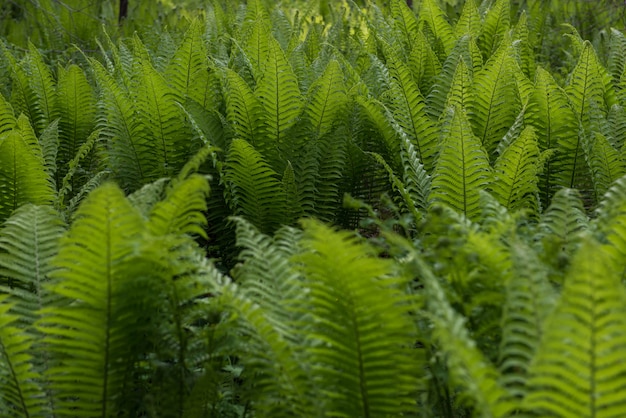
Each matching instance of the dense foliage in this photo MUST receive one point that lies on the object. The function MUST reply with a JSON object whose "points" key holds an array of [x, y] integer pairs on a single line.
{"points": [[346, 210]]}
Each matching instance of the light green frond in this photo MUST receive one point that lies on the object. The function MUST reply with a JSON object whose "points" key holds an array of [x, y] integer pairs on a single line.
{"points": [[423, 63], [94, 335], [460, 93], [187, 71], [563, 223], [469, 369], [243, 110], [470, 21], [462, 169], [254, 190], [77, 111], [181, 212], [516, 173], [7, 117], [280, 98], [167, 131], [49, 141], [589, 86], [68, 183], [529, 299], [405, 22], [577, 371], [409, 111], [433, 20], [375, 115], [556, 126], [605, 163], [361, 369], [495, 101], [415, 177], [257, 46], [41, 82], [617, 55], [497, 23], [23, 178], [131, 157], [21, 394], [610, 223], [327, 99]]}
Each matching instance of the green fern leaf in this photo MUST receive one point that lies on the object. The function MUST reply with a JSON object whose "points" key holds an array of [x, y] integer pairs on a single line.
{"points": [[41, 83], [254, 189], [495, 100], [423, 63], [405, 23], [529, 299], [280, 98], [556, 126], [497, 24], [20, 392], [7, 117], [243, 110], [516, 170], [328, 99], [361, 370], [605, 163], [470, 21], [409, 111], [100, 273], [460, 93], [23, 178], [470, 370], [577, 370], [433, 20], [77, 111], [462, 169]]}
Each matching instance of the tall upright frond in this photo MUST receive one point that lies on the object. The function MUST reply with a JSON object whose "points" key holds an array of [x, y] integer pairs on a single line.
{"points": [[243, 110], [577, 370], [605, 163], [433, 21], [462, 169], [328, 99], [496, 25]]}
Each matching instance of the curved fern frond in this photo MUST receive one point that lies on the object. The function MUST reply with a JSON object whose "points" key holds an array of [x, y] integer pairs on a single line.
{"points": [[462, 169], [99, 270], [577, 370], [253, 188], [495, 101], [470, 21], [460, 93], [423, 63], [556, 126], [181, 210], [610, 222], [433, 20], [605, 163], [131, 157], [409, 111], [362, 370], [243, 110], [77, 111], [328, 99], [529, 300], [516, 173], [496, 25], [405, 23], [468, 367], [41, 83], [523, 46], [7, 117], [20, 391], [23, 178]]}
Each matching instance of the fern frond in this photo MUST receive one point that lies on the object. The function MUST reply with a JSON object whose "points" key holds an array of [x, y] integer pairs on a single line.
{"points": [[21, 392], [99, 271], [409, 111], [243, 110], [328, 99], [460, 93], [577, 370], [41, 83], [405, 23], [556, 126], [605, 163], [495, 101], [23, 178], [523, 46], [362, 370], [253, 188], [7, 117], [280, 98], [516, 173], [496, 25], [468, 367], [423, 63], [77, 111], [470, 21], [181, 210], [462, 169], [529, 299], [433, 20]]}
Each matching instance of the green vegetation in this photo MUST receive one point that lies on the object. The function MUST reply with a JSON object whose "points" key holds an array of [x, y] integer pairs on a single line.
{"points": [[317, 209]]}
